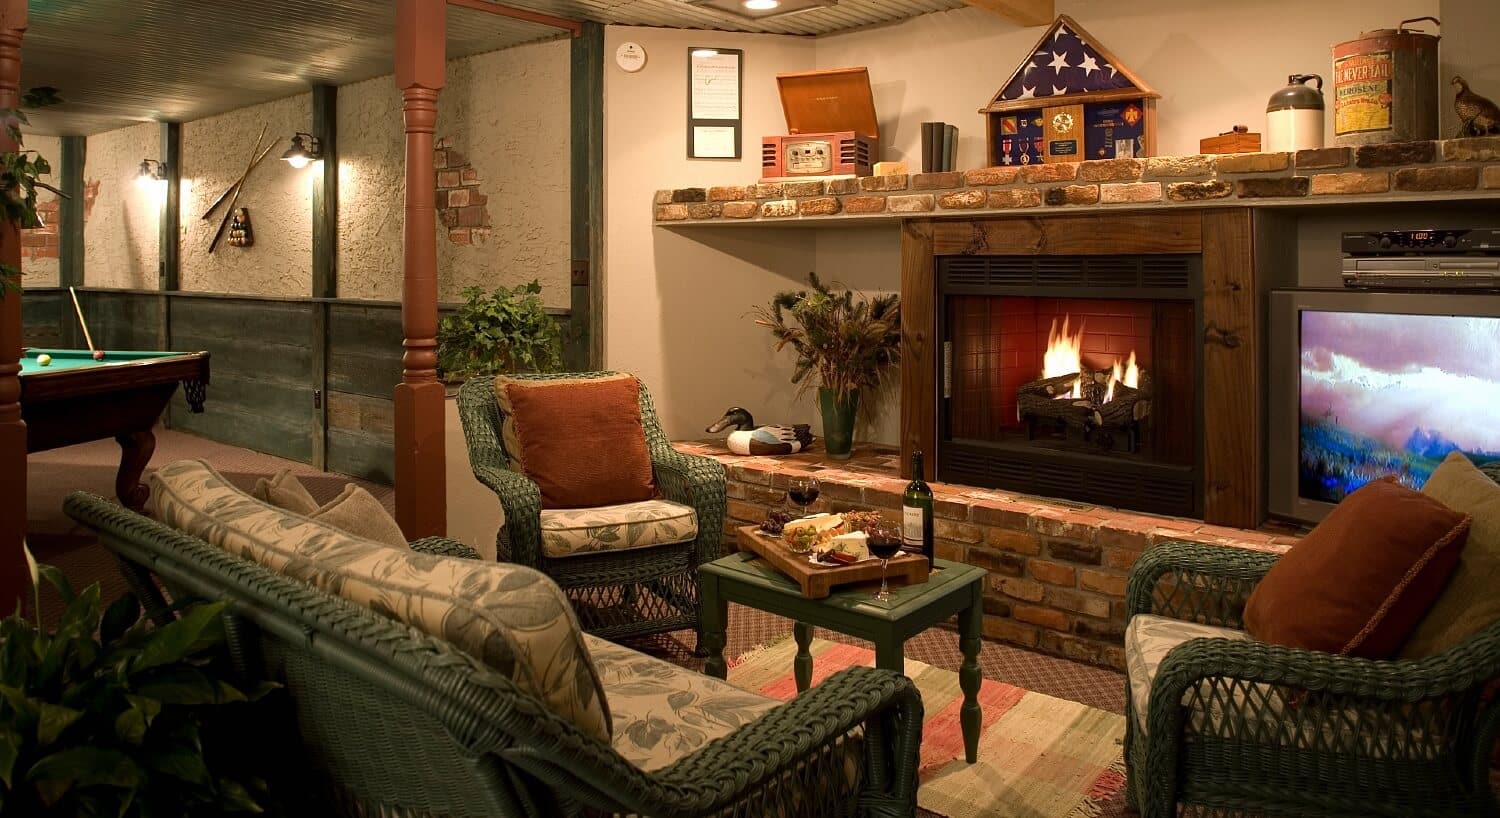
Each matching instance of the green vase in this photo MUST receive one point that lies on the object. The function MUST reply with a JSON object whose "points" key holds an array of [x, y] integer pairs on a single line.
{"points": [[838, 422]]}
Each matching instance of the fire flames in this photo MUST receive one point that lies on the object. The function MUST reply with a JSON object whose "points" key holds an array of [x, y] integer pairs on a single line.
{"points": [[1064, 356]]}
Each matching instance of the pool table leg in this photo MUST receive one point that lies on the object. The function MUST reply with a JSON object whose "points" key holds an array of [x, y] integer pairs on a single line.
{"points": [[136, 449]]}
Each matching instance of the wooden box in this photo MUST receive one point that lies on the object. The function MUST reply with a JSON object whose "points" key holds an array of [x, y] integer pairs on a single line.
{"points": [[830, 117], [1232, 142], [818, 581]]}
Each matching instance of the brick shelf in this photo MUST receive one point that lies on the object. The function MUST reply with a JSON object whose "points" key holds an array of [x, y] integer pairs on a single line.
{"points": [[1454, 169], [1057, 568]]}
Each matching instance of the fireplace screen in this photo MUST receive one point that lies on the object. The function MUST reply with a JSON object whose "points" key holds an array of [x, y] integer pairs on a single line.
{"points": [[1113, 377]]}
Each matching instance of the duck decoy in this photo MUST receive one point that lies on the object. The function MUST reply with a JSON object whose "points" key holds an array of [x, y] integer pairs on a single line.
{"points": [[747, 438]]}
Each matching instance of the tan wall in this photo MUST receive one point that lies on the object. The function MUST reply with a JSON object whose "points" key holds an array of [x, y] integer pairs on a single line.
{"points": [[120, 236], [42, 271], [507, 112], [278, 197], [1215, 64], [676, 303], [1470, 29]]}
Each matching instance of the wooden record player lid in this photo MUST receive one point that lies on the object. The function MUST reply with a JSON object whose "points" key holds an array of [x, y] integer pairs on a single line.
{"points": [[836, 99]]}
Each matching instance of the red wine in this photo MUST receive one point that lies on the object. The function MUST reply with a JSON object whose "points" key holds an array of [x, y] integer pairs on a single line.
{"points": [[803, 496], [884, 547]]}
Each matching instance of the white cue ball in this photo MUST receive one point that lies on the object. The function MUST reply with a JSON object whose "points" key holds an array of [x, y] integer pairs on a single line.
{"points": [[43, 360]]}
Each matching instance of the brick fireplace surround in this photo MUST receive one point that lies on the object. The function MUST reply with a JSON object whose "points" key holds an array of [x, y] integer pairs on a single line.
{"points": [[1057, 569]]}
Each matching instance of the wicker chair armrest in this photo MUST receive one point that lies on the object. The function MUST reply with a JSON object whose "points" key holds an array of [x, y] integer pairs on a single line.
{"points": [[444, 547], [521, 500], [699, 482], [728, 769], [1212, 582]]}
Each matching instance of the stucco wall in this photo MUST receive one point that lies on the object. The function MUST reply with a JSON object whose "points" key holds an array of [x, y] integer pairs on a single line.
{"points": [[278, 197], [41, 271], [120, 235], [507, 113]]}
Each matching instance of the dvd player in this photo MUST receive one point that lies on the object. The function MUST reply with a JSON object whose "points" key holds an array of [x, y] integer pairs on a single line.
{"points": [[1430, 259]]}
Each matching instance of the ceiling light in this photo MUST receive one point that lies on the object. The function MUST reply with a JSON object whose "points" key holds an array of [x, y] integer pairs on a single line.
{"points": [[302, 153], [761, 9]]}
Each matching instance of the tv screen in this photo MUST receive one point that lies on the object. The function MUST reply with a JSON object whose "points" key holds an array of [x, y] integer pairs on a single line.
{"points": [[1390, 393]]}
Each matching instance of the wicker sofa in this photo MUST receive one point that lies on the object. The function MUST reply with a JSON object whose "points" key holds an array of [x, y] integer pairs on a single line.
{"points": [[1217, 721], [487, 720]]}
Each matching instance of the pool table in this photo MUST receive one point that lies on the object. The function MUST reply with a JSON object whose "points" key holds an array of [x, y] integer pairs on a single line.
{"points": [[75, 399]]}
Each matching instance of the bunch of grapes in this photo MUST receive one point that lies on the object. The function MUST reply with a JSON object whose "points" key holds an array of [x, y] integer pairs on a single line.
{"points": [[776, 521]]}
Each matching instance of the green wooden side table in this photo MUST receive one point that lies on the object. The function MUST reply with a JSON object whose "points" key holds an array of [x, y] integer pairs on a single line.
{"points": [[953, 588]]}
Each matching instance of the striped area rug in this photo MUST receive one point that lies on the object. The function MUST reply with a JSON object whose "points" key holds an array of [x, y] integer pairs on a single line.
{"points": [[1039, 757]]}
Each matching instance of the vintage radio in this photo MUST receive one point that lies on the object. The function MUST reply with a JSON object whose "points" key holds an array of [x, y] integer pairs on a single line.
{"points": [[831, 117]]}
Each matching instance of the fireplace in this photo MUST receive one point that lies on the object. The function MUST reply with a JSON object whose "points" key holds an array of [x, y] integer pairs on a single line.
{"points": [[1073, 376]]}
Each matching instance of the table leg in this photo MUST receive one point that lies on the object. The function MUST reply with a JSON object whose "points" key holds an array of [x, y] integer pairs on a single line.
{"points": [[890, 653], [802, 665], [969, 642], [135, 452], [714, 620]]}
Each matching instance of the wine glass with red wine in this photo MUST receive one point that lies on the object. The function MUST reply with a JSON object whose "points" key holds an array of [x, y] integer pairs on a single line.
{"points": [[884, 542], [803, 491]]}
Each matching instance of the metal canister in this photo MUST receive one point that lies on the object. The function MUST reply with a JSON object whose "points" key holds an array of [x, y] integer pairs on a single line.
{"points": [[1385, 86]]}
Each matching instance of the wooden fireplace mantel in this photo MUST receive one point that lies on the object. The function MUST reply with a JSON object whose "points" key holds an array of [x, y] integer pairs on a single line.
{"points": [[1232, 377]]}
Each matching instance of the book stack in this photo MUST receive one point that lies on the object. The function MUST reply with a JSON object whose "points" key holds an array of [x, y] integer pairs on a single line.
{"points": [[939, 147]]}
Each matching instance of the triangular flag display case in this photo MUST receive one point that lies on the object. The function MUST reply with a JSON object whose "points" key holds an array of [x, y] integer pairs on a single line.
{"points": [[1068, 101]]}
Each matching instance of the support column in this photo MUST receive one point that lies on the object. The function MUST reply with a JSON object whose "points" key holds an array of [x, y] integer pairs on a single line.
{"points": [[168, 250], [14, 578], [587, 148], [421, 486], [325, 254], [70, 232]]}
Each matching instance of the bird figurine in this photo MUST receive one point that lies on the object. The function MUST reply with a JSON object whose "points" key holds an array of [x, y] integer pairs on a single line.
{"points": [[1477, 115], [747, 438]]}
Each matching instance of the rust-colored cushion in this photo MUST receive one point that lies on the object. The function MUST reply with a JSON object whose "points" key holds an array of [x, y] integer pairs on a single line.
{"points": [[580, 440], [1359, 583]]}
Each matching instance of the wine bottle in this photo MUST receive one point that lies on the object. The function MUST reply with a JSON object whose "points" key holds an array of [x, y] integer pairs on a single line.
{"points": [[916, 513]]}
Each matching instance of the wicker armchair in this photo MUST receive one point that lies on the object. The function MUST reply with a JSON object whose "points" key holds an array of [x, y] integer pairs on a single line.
{"points": [[1243, 726], [605, 586], [382, 719]]}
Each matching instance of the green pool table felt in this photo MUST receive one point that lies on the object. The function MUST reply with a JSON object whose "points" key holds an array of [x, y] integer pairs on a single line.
{"points": [[79, 358]]}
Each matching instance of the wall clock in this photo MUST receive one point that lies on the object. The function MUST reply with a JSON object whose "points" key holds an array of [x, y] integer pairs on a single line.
{"points": [[630, 57]]}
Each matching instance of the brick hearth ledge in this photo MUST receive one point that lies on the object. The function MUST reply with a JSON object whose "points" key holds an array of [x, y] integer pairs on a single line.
{"points": [[1057, 568]]}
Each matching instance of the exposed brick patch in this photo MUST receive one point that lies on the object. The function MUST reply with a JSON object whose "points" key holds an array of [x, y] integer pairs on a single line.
{"points": [[1253, 162], [982, 177], [1272, 187], [1198, 191], [1478, 149], [1020, 197], [1110, 170], [937, 181], [1132, 192], [1433, 179], [1394, 153], [1072, 195], [1322, 158], [1328, 184], [1054, 172], [462, 207], [42, 242]]}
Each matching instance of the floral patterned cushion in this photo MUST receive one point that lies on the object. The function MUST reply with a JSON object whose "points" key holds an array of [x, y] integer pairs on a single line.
{"points": [[570, 531], [661, 711], [512, 618]]}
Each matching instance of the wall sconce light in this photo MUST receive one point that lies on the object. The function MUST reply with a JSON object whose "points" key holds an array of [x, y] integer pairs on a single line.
{"points": [[152, 171], [302, 153]]}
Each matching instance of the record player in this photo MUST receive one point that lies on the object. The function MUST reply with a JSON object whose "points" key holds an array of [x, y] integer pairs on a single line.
{"points": [[1428, 259], [831, 118]]}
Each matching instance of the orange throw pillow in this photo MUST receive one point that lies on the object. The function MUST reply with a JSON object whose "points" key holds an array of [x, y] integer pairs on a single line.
{"points": [[580, 440], [1359, 583]]}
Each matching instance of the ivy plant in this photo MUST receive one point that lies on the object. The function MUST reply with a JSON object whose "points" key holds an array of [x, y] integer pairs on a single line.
{"points": [[508, 330], [108, 715], [19, 170]]}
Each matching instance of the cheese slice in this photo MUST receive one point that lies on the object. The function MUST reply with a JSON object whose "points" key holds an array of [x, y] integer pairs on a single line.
{"points": [[854, 543]]}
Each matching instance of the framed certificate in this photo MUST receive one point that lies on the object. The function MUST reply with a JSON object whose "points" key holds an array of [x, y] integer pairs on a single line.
{"points": [[715, 81]]}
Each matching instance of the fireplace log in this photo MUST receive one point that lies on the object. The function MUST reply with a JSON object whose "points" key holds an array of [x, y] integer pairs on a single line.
{"points": [[1049, 388]]}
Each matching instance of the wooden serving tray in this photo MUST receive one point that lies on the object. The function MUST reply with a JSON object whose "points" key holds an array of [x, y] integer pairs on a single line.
{"points": [[818, 581]]}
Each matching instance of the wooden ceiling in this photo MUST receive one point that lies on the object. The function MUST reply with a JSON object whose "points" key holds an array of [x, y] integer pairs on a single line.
{"points": [[117, 62]]}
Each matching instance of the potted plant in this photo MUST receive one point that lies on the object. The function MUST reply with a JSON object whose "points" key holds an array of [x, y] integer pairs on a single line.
{"points": [[508, 330], [108, 715], [848, 340]]}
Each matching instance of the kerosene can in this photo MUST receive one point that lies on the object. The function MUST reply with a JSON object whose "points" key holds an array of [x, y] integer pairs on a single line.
{"points": [[1385, 86]]}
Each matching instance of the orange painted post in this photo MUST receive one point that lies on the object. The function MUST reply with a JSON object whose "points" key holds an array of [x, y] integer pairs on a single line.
{"points": [[421, 484], [14, 579]]}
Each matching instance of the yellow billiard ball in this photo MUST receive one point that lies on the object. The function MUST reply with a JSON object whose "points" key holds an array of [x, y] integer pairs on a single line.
{"points": [[43, 359]]}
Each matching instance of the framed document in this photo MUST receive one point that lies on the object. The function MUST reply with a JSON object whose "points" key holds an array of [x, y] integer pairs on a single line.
{"points": [[715, 81]]}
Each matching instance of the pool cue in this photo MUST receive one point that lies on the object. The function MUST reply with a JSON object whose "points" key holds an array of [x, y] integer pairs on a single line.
{"points": [[229, 211], [259, 140], [78, 309]]}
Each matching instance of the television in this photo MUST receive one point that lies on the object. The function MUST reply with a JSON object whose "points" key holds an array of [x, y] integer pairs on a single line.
{"points": [[1364, 385]]}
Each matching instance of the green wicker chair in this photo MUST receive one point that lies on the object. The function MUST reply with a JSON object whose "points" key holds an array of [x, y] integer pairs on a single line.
{"points": [[386, 720], [605, 586], [1242, 727]]}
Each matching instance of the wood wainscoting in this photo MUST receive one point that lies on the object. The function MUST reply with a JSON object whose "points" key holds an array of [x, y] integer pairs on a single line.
{"points": [[1233, 376]]}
